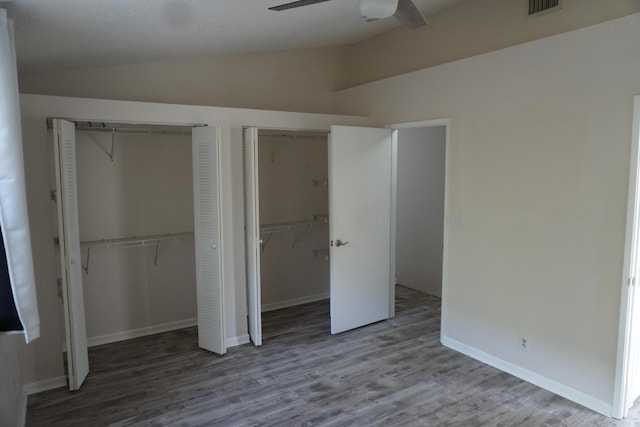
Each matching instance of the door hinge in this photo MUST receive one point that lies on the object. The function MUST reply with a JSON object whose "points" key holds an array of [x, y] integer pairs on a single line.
{"points": [[59, 283], [54, 196], [632, 281]]}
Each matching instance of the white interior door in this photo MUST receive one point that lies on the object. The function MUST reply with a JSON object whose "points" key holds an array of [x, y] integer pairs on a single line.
{"points": [[70, 254], [207, 238], [633, 376], [632, 380], [252, 233], [359, 226]]}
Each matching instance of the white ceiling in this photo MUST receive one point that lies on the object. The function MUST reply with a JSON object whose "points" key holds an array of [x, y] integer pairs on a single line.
{"points": [[55, 34]]}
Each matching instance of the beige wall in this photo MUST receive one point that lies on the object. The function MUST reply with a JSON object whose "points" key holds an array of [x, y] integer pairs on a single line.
{"points": [[289, 272], [146, 190], [298, 80], [472, 28], [420, 208], [537, 180]]}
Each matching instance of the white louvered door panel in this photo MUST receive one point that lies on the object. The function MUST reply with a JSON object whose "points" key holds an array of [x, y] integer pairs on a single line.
{"points": [[252, 233], [207, 239], [70, 254]]}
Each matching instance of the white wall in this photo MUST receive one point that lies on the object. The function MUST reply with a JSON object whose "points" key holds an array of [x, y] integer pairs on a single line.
{"points": [[537, 175], [11, 404], [146, 190], [420, 208], [42, 360], [287, 166]]}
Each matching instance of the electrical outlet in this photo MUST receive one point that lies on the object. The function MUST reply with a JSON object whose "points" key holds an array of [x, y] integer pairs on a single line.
{"points": [[524, 344]]}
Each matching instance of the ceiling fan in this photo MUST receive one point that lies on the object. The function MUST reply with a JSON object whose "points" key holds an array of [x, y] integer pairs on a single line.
{"points": [[404, 11]]}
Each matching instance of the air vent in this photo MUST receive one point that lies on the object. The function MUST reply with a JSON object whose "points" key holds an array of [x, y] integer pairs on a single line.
{"points": [[543, 6]]}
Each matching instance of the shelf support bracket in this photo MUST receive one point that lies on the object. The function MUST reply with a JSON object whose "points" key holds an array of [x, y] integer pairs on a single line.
{"points": [[265, 242], [155, 256], [113, 143], [85, 267]]}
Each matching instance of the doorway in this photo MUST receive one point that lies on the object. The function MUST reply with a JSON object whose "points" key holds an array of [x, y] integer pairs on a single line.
{"points": [[420, 208], [420, 157]]}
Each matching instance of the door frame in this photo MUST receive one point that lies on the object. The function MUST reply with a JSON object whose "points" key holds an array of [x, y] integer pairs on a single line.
{"points": [[629, 281], [394, 186]]}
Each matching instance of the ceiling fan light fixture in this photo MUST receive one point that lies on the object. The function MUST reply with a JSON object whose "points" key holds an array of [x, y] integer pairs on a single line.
{"points": [[378, 9]]}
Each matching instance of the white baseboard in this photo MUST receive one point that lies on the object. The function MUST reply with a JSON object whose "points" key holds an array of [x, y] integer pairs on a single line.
{"points": [[44, 385], [136, 333], [560, 389], [236, 341], [155, 329], [294, 301], [22, 410]]}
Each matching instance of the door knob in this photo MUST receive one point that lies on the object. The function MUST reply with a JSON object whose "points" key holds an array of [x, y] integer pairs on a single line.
{"points": [[341, 243]]}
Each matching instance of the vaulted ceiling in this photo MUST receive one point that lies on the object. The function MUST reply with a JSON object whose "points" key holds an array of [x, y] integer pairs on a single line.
{"points": [[58, 34]]}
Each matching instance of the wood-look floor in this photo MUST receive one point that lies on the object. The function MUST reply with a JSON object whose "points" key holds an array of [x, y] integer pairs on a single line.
{"points": [[392, 373]]}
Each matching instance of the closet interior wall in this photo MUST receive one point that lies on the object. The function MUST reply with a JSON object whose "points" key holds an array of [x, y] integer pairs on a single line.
{"points": [[293, 171], [420, 208], [147, 189]]}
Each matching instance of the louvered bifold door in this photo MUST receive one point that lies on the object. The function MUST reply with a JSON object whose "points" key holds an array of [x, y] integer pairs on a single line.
{"points": [[70, 254], [252, 233], [206, 192]]}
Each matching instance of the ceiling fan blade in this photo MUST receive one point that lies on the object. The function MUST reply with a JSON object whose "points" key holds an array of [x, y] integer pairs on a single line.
{"points": [[298, 3], [409, 14]]}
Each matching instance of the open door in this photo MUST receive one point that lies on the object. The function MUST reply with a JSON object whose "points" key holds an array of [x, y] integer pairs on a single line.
{"points": [[207, 238], [627, 382], [64, 136], [252, 233], [359, 226]]}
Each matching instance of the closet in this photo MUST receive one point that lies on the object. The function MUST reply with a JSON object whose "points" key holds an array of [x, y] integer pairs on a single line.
{"points": [[137, 210], [360, 219], [286, 180]]}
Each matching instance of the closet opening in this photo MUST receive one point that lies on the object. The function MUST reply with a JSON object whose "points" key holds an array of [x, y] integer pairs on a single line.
{"points": [[287, 222], [419, 151], [137, 213]]}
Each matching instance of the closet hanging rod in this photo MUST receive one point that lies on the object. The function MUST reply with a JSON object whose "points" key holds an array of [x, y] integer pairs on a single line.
{"points": [[133, 131], [136, 241], [137, 129], [284, 135]]}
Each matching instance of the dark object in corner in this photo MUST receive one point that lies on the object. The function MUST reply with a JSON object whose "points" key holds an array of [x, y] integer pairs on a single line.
{"points": [[9, 320]]}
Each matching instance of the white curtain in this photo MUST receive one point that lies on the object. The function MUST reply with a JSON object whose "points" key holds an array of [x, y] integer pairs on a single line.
{"points": [[13, 201]]}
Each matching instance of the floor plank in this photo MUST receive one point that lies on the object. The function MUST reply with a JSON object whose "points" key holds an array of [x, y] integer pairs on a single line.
{"points": [[390, 373]]}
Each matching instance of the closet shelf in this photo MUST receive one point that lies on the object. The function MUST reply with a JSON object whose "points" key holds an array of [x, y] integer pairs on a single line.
{"points": [[269, 229], [132, 242], [136, 241], [315, 221]]}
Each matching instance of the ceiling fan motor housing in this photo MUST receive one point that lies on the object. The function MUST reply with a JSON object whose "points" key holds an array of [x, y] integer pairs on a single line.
{"points": [[378, 9]]}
